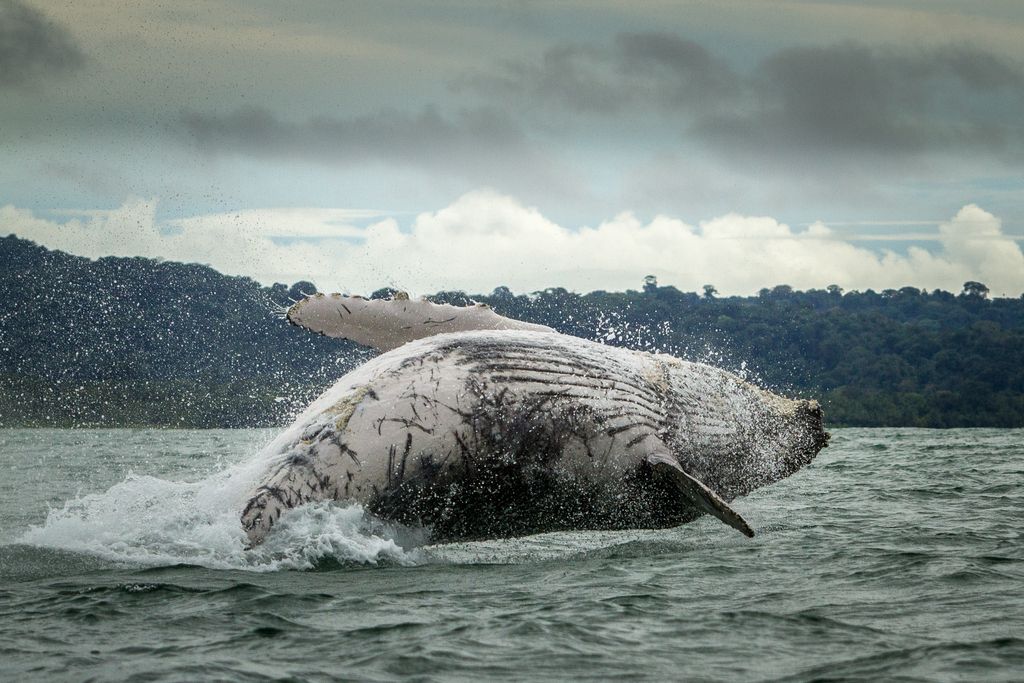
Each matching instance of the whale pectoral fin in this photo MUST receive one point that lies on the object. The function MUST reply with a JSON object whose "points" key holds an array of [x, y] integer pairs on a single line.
{"points": [[263, 510], [386, 324], [289, 485], [698, 493]]}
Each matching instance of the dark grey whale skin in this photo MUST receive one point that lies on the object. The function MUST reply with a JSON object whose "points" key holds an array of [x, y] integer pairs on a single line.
{"points": [[494, 434]]}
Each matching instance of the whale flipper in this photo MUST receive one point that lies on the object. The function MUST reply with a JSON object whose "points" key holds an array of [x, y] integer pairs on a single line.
{"points": [[386, 324], [698, 493]]}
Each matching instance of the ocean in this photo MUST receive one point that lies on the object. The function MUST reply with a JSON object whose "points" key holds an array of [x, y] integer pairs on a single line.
{"points": [[897, 554]]}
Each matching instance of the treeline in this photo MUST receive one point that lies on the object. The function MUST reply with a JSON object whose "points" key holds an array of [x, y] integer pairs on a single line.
{"points": [[894, 358], [131, 341]]}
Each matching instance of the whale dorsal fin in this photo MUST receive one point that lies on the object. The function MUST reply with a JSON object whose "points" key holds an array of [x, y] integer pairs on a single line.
{"points": [[698, 493], [386, 324]]}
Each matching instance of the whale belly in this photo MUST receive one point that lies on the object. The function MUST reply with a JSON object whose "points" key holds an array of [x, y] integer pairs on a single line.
{"points": [[475, 439], [486, 434]]}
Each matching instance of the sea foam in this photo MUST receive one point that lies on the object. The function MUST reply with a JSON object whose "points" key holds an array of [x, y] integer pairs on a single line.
{"points": [[150, 521]]}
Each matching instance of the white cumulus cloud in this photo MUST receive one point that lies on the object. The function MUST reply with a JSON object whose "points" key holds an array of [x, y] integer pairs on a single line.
{"points": [[485, 239]]}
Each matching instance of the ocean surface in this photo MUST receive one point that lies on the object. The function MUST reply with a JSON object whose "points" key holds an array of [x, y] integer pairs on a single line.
{"points": [[898, 554]]}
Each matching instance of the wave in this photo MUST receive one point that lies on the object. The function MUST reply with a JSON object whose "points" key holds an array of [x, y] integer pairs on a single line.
{"points": [[147, 521], [152, 522]]}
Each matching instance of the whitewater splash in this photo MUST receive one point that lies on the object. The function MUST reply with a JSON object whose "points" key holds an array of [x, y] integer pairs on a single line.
{"points": [[149, 521]]}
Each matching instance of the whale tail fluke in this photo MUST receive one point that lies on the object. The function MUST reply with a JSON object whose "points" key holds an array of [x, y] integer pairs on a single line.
{"points": [[698, 493], [386, 324]]}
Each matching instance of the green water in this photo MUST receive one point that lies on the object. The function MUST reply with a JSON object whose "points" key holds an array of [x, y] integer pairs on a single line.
{"points": [[897, 554]]}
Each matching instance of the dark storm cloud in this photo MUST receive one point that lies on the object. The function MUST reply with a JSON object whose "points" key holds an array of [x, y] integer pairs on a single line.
{"points": [[678, 69], [834, 114], [480, 144], [976, 69], [853, 98], [639, 69], [32, 46], [837, 98], [387, 135]]}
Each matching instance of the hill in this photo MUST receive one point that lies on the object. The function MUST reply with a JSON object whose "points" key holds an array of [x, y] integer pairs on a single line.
{"points": [[132, 341]]}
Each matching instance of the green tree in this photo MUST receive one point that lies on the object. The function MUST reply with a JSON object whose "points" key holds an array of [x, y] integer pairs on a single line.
{"points": [[975, 289]]}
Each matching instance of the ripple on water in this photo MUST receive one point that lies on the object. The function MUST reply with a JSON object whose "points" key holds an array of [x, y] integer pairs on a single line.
{"points": [[896, 554]]}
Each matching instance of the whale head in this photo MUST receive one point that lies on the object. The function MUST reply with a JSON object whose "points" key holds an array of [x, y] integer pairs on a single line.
{"points": [[735, 436]]}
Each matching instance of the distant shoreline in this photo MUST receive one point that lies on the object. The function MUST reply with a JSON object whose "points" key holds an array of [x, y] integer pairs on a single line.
{"points": [[134, 342]]}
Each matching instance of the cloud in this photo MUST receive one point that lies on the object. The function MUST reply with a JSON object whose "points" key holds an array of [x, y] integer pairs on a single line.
{"points": [[637, 71], [272, 245], [485, 239], [976, 237], [280, 223], [387, 134], [32, 46], [851, 98], [817, 102], [481, 144]]}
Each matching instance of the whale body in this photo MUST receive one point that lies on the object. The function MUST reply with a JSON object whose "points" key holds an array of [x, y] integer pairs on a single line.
{"points": [[512, 430]]}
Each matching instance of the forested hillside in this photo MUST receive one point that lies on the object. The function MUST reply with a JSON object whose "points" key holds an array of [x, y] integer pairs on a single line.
{"points": [[896, 358], [121, 341], [136, 341]]}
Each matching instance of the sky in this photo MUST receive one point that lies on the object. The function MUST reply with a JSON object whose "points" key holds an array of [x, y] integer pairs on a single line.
{"points": [[580, 144]]}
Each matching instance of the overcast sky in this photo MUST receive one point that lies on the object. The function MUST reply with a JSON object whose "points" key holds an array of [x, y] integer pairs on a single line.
{"points": [[464, 145]]}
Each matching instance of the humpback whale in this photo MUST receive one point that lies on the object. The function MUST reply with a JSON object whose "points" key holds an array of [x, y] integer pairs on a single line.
{"points": [[474, 425]]}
